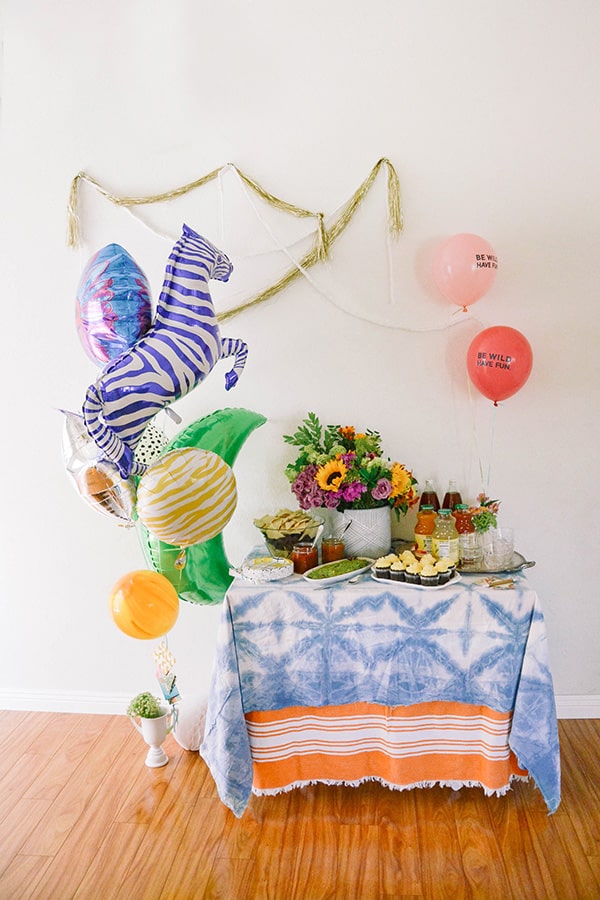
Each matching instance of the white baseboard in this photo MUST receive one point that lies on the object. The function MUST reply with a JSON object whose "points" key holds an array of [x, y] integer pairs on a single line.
{"points": [[64, 701], [568, 706], [578, 706]]}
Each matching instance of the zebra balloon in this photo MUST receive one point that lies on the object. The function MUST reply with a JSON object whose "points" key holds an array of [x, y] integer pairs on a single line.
{"points": [[176, 354]]}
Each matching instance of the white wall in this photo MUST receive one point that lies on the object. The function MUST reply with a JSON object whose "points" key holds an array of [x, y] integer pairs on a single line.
{"points": [[487, 112]]}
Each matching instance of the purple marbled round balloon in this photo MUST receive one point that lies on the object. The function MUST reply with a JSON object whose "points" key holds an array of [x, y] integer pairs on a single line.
{"points": [[113, 304]]}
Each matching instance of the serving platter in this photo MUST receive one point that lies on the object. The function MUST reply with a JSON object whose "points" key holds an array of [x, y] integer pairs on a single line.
{"points": [[335, 579], [419, 587], [516, 564]]}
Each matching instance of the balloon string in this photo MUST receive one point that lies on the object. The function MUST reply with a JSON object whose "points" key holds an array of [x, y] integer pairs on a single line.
{"points": [[492, 439], [474, 428]]}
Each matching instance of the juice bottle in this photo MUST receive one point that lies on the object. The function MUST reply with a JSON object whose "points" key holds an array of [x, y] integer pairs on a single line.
{"points": [[468, 545], [444, 540], [424, 529], [452, 496], [429, 496]]}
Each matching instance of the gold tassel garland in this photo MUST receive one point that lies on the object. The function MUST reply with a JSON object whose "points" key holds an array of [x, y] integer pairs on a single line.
{"points": [[324, 237]]}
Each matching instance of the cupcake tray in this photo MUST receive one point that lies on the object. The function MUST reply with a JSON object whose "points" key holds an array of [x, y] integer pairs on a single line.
{"points": [[417, 587]]}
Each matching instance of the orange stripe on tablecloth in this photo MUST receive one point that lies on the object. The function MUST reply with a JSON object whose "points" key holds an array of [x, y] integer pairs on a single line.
{"points": [[403, 746]]}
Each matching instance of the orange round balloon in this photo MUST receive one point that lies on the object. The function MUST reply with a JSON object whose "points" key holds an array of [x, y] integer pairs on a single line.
{"points": [[144, 604]]}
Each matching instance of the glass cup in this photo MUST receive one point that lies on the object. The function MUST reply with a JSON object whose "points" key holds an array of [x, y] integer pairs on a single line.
{"points": [[500, 549]]}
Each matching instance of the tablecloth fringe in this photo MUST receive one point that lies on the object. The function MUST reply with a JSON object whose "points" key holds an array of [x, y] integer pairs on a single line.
{"points": [[455, 785]]}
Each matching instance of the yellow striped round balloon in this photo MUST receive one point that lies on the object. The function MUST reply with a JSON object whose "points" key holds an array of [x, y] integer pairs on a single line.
{"points": [[187, 496]]}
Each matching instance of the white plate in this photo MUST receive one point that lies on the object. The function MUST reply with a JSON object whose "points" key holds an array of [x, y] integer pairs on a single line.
{"points": [[419, 587], [335, 578], [264, 568]]}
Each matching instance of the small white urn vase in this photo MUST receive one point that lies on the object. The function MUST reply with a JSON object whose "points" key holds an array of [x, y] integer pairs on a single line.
{"points": [[154, 731]]}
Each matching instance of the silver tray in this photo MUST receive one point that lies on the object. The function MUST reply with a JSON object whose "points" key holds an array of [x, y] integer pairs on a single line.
{"points": [[517, 563]]}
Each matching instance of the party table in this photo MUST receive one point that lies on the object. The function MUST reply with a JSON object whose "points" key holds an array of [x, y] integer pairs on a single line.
{"points": [[366, 680]]}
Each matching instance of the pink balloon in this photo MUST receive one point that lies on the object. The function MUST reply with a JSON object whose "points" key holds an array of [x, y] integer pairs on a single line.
{"points": [[499, 362], [464, 268]]}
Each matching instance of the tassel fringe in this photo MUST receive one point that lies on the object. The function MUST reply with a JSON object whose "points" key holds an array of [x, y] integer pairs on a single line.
{"points": [[324, 237]]}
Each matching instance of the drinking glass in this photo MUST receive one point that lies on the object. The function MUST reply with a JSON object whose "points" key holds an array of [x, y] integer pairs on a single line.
{"points": [[500, 549]]}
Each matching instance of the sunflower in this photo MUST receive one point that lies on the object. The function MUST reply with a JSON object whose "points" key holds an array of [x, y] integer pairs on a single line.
{"points": [[330, 476], [401, 480]]}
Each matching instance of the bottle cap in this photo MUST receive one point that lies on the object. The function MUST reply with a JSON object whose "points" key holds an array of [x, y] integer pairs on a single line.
{"points": [[461, 506], [425, 508]]}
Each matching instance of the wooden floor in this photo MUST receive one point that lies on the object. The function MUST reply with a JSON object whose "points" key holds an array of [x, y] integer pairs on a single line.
{"points": [[82, 816]]}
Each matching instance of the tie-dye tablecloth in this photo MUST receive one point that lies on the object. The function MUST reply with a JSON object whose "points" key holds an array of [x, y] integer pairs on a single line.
{"points": [[365, 680]]}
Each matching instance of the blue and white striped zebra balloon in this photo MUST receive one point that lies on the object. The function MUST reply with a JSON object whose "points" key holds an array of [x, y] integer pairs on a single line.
{"points": [[176, 353]]}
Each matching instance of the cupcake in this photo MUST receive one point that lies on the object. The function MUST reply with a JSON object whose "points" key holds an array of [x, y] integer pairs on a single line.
{"points": [[397, 570], [408, 557], [444, 570], [430, 577], [428, 559], [450, 563], [382, 567], [412, 573]]}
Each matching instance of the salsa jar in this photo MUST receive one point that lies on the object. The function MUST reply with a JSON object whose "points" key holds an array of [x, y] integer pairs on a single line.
{"points": [[332, 549], [304, 557]]}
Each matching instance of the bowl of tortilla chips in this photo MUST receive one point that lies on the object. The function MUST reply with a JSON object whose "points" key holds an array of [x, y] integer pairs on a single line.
{"points": [[288, 527]]}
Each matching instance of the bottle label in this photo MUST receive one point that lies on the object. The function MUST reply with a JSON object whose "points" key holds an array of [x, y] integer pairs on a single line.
{"points": [[423, 544], [445, 547]]}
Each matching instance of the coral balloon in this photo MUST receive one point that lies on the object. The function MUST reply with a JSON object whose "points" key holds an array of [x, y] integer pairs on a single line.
{"points": [[113, 304], [499, 362], [464, 268], [187, 496], [144, 604]]}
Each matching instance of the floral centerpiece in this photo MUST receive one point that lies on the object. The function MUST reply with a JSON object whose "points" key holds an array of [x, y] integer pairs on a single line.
{"points": [[484, 514], [342, 469]]}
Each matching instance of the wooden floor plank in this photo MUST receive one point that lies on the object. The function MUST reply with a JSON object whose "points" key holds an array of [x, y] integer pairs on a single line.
{"points": [[82, 816], [165, 831], [399, 861], [21, 876], [18, 823], [442, 870], [191, 872], [72, 800], [110, 864], [484, 868]]}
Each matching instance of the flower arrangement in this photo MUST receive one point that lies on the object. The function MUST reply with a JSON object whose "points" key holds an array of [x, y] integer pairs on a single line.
{"points": [[484, 514], [340, 468], [146, 706]]}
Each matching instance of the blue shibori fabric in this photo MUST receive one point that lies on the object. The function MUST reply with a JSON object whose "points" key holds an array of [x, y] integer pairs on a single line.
{"points": [[290, 644]]}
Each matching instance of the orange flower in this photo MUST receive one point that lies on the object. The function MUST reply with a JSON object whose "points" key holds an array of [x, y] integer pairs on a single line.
{"points": [[401, 480], [347, 432]]}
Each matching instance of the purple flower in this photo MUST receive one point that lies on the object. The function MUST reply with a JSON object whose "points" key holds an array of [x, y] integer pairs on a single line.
{"points": [[306, 489], [351, 492], [382, 489]]}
